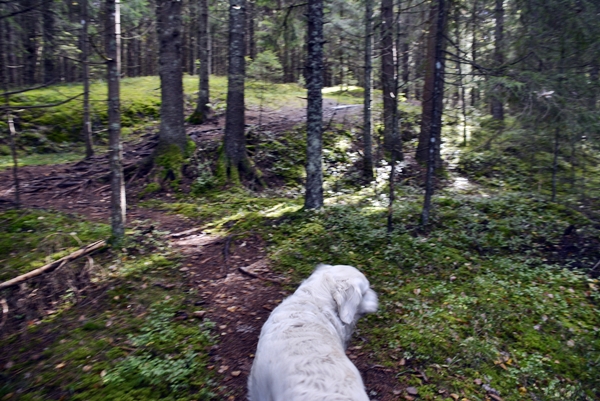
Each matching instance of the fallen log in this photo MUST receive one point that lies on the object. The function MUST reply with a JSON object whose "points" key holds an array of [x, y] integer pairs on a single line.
{"points": [[57, 263]]}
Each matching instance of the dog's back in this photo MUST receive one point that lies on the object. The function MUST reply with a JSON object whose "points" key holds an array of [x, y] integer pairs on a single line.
{"points": [[301, 350]]}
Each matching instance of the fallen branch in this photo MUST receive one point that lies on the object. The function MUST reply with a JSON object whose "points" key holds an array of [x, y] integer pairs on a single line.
{"points": [[57, 263]]}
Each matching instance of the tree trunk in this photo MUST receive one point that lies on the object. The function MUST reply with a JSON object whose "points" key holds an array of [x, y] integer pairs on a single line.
{"points": [[367, 140], [203, 109], [29, 26], [387, 73], [235, 139], [436, 94], [496, 101], [172, 132], [251, 39], [432, 102], [474, 49], [117, 182], [49, 50], [87, 124], [314, 109]]}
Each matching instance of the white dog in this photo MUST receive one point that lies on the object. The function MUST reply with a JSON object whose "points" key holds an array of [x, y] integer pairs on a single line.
{"points": [[301, 350]]}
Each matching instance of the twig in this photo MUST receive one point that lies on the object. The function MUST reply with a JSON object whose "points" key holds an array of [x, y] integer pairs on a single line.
{"points": [[254, 275], [4, 311]]}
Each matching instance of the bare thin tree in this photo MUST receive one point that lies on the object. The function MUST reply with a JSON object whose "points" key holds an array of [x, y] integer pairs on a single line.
{"points": [[87, 124], [113, 63], [368, 123]]}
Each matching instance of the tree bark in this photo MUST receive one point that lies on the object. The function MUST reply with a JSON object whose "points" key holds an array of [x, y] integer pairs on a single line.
{"points": [[30, 24], [436, 94], [432, 102], [235, 139], [496, 101], [474, 49], [367, 130], [172, 132], [203, 109], [49, 50], [117, 181], [388, 73], [251, 39], [87, 124], [314, 109]]}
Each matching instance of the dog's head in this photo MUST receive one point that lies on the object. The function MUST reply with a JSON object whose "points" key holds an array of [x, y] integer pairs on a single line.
{"points": [[350, 290]]}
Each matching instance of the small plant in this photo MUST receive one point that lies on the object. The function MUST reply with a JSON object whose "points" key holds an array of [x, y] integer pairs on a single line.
{"points": [[265, 67], [205, 179], [168, 356]]}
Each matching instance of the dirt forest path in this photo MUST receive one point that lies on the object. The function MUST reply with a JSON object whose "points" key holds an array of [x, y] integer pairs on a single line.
{"points": [[235, 285]]}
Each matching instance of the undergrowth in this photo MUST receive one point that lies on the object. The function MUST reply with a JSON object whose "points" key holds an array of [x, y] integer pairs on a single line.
{"points": [[489, 300], [122, 338]]}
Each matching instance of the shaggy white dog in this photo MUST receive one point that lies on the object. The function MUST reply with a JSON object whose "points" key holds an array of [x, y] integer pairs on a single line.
{"points": [[301, 350]]}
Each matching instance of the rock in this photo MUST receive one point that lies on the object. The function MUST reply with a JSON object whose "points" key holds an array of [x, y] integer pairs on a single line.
{"points": [[412, 391]]}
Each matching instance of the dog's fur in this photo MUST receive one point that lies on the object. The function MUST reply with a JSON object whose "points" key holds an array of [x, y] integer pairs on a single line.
{"points": [[301, 350]]}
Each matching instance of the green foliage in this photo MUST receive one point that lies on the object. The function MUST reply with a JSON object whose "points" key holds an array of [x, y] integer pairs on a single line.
{"points": [[128, 345], [168, 356], [285, 155], [170, 161], [265, 67], [483, 297], [205, 179], [151, 188]]}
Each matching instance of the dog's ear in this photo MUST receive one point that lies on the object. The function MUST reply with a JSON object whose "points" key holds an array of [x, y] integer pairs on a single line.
{"points": [[347, 298]]}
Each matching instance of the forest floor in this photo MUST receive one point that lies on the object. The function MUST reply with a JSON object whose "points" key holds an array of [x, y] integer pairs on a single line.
{"points": [[232, 277], [495, 299]]}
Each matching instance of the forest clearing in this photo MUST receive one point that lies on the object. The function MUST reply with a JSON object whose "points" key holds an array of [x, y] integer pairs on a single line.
{"points": [[161, 193]]}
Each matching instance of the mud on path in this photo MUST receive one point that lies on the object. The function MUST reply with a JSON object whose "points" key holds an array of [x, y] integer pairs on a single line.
{"points": [[233, 279]]}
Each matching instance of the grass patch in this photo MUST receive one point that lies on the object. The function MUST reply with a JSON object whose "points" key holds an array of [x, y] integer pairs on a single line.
{"points": [[39, 159]]}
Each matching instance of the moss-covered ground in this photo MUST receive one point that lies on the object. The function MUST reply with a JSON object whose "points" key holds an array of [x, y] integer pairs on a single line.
{"points": [[118, 338]]}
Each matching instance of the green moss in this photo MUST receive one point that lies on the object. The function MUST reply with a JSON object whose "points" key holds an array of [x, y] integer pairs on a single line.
{"points": [[170, 161], [150, 188]]}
